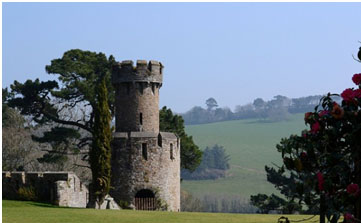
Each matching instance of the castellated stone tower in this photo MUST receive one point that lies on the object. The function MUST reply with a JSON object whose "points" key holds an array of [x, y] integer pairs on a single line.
{"points": [[145, 162]]}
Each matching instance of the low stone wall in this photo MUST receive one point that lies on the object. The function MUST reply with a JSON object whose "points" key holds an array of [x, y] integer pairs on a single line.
{"points": [[60, 188]]}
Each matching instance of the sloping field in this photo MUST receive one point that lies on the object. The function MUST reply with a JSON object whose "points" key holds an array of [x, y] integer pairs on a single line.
{"points": [[251, 145], [31, 212]]}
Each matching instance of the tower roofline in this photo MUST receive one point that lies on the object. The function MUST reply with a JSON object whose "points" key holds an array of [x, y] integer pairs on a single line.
{"points": [[150, 72]]}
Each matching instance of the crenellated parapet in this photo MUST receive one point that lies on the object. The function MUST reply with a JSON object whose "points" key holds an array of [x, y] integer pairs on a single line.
{"points": [[148, 72]]}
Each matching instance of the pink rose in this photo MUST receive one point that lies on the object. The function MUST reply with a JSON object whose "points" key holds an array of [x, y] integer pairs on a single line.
{"points": [[356, 78], [357, 93], [315, 127], [347, 95], [353, 189], [321, 181], [307, 116], [303, 154], [323, 113], [348, 217]]}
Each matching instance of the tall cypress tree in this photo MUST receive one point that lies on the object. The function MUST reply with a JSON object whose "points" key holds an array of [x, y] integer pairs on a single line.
{"points": [[100, 153]]}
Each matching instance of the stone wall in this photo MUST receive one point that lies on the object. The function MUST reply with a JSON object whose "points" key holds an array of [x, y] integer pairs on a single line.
{"points": [[60, 188]]}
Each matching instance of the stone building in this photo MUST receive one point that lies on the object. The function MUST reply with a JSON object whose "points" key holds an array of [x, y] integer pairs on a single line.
{"points": [[58, 188], [145, 161]]}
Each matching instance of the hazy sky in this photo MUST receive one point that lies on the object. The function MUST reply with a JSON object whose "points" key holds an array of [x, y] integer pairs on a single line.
{"points": [[234, 52]]}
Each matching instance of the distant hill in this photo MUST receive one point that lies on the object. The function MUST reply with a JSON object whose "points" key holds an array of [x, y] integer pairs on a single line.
{"points": [[251, 145], [277, 109]]}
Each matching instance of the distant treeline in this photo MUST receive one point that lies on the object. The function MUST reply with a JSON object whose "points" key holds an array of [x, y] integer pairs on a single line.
{"points": [[277, 109], [213, 166], [212, 203]]}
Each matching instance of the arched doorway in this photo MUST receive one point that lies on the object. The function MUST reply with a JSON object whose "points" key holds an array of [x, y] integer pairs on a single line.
{"points": [[145, 200]]}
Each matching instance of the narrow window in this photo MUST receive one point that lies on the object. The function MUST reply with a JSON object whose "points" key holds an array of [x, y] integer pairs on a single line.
{"points": [[74, 184], [159, 140], [144, 151], [141, 88], [153, 88], [171, 152], [141, 118], [128, 88]]}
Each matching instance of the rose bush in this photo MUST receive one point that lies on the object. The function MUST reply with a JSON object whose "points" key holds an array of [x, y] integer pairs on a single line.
{"points": [[324, 163]]}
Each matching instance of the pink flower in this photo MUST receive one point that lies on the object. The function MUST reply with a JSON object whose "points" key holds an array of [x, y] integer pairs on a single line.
{"points": [[353, 189], [348, 217], [347, 95], [303, 154], [356, 78], [315, 127], [323, 113], [307, 116], [321, 181], [357, 93]]}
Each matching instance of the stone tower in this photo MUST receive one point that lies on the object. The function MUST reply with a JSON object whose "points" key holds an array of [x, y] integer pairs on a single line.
{"points": [[145, 162]]}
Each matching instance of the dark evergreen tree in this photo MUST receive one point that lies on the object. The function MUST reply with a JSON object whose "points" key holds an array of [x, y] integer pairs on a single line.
{"points": [[190, 153], [100, 153]]}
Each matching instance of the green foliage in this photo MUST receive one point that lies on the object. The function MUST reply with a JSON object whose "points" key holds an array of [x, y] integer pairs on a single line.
{"points": [[215, 158], [267, 203], [190, 153], [214, 164], [211, 103], [10, 117], [79, 71], [100, 153], [77, 106], [323, 165], [27, 193], [75, 92], [61, 141]]}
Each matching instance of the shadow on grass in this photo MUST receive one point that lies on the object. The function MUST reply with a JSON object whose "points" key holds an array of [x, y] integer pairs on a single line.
{"points": [[44, 205]]}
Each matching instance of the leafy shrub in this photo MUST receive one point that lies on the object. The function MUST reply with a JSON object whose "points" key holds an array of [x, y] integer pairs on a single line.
{"points": [[27, 193]]}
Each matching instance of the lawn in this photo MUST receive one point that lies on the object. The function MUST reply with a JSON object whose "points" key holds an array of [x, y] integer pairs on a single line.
{"points": [[32, 212], [251, 145]]}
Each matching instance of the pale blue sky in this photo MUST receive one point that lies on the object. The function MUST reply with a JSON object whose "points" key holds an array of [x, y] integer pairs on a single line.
{"points": [[234, 52]]}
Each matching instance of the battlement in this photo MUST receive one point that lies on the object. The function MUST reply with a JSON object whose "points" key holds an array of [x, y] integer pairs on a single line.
{"points": [[150, 72]]}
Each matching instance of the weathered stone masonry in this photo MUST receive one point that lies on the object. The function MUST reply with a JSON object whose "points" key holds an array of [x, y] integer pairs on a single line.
{"points": [[59, 188], [145, 162]]}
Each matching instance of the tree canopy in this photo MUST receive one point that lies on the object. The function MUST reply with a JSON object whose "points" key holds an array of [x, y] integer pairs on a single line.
{"points": [[190, 153], [71, 102]]}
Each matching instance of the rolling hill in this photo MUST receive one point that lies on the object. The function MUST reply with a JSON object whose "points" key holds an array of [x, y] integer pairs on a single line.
{"points": [[251, 145]]}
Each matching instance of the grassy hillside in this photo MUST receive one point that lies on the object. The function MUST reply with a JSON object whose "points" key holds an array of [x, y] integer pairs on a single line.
{"points": [[31, 212], [251, 145]]}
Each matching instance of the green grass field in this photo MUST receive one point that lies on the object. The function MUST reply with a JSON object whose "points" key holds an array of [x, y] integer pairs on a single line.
{"points": [[31, 212], [251, 145]]}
